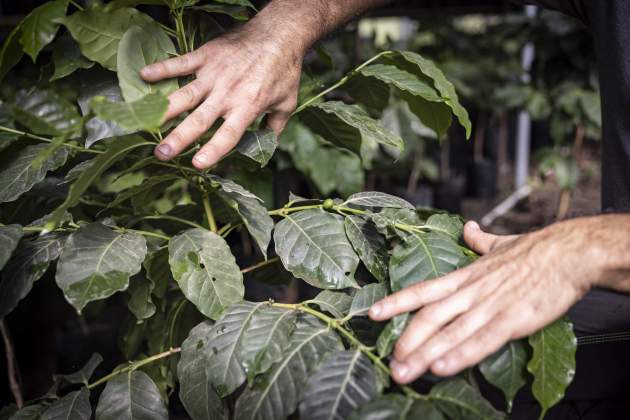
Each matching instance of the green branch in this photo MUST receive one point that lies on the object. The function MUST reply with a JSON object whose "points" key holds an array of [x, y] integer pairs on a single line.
{"points": [[47, 140], [209, 215], [260, 265]]}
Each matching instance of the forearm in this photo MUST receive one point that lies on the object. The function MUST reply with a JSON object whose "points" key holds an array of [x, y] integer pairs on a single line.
{"points": [[294, 26]]}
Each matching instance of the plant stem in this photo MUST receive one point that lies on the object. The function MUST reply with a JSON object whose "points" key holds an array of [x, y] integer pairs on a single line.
{"points": [[145, 233], [260, 265], [12, 368], [168, 217], [341, 81], [208, 209], [134, 365], [286, 210], [47, 140], [77, 5], [337, 326]]}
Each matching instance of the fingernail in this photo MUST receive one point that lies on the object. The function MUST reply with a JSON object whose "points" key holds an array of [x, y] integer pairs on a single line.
{"points": [[201, 159], [164, 150], [376, 310], [400, 369]]}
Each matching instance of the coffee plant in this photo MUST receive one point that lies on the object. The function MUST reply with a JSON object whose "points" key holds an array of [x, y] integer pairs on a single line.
{"points": [[84, 197]]}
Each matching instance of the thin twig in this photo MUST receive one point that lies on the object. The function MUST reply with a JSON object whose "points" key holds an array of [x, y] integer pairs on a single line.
{"points": [[12, 368], [259, 265]]}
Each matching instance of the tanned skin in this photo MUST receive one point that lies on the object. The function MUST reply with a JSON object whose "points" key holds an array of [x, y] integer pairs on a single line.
{"points": [[519, 285]]}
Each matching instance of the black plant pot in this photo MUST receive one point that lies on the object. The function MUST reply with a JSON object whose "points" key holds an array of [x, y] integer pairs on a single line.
{"points": [[482, 179], [448, 195]]}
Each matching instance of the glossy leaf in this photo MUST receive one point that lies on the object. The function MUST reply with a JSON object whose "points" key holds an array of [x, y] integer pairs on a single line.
{"points": [[116, 150], [389, 220], [99, 32], [73, 406], [45, 112], [196, 391], [348, 126], [402, 80], [458, 400], [236, 12], [335, 303], [552, 363], [254, 214], [372, 199], [369, 245], [139, 47], [11, 52], [206, 271], [390, 334], [258, 145], [96, 262], [312, 245], [83, 375], [279, 390], [342, 383], [505, 369], [67, 57], [396, 407], [96, 128], [39, 28], [131, 396], [29, 412], [146, 113], [140, 303], [365, 297], [9, 238], [29, 262], [424, 256], [446, 224]]}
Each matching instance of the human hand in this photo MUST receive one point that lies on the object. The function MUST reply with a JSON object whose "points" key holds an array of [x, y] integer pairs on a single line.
{"points": [[239, 76], [521, 284]]}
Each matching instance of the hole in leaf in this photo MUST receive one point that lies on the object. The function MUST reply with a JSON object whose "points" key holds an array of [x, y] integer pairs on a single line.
{"points": [[199, 344]]}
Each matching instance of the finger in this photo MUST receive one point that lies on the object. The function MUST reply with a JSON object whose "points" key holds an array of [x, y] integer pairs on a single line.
{"points": [[186, 98], [418, 295], [277, 121], [482, 242], [224, 140], [189, 130], [177, 66], [480, 345]]}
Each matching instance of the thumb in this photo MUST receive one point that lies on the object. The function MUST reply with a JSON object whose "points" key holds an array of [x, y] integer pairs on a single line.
{"points": [[482, 242]]}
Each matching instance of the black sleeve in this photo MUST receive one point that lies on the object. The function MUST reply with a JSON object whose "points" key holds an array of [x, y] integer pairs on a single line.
{"points": [[576, 8]]}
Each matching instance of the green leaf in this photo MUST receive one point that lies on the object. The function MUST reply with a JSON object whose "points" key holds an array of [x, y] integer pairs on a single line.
{"points": [[458, 400], [366, 297], [30, 412], [552, 363], [505, 369], [30, 261], [236, 12], [140, 303], [117, 4], [396, 407], [386, 221], [372, 93], [424, 256], [9, 238], [265, 339], [83, 375], [118, 147], [96, 262], [224, 368], [131, 396], [447, 224], [342, 383], [390, 334], [258, 145], [145, 114], [45, 112], [416, 63], [18, 176], [312, 245], [40, 26], [11, 52], [402, 80], [195, 389], [73, 406], [99, 32], [206, 271], [369, 245], [254, 215], [348, 126], [335, 303], [139, 47], [67, 57], [279, 390], [371, 199]]}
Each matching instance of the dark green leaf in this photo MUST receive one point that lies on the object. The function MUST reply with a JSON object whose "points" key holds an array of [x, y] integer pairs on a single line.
{"points": [[312, 245], [118, 148], [67, 57], [98, 129], [377, 199], [236, 12], [45, 112], [388, 220], [83, 375], [458, 400], [342, 383], [369, 245], [552, 363], [206, 271], [30, 412], [146, 113], [195, 391], [9, 238], [390, 334], [73, 406], [140, 303], [447, 224], [139, 47], [258, 145], [505, 369], [335, 303], [11, 52], [96, 262], [29, 263], [40, 26], [396, 407], [372, 93], [279, 390], [131, 396], [366, 297]]}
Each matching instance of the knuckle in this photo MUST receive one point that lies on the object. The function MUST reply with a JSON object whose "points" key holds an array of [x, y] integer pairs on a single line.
{"points": [[190, 92], [199, 119], [177, 139]]}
